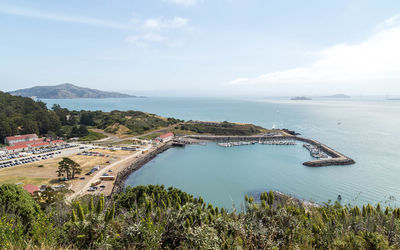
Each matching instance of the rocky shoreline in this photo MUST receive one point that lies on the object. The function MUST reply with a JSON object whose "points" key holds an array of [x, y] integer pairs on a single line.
{"points": [[119, 184]]}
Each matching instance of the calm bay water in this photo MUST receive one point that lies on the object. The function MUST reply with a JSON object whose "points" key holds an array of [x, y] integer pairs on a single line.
{"points": [[366, 130]]}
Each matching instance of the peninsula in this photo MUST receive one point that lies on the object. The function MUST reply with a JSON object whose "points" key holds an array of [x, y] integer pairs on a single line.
{"points": [[66, 91]]}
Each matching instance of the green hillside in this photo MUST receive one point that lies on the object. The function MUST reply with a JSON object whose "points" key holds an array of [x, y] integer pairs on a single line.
{"points": [[66, 91]]}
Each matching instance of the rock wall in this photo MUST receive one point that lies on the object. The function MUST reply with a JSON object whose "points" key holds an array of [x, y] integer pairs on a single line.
{"points": [[119, 184], [337, 158]]}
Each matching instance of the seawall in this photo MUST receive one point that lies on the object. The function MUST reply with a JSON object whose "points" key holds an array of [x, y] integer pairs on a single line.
{"points": [[337, 158], [119, 184]]}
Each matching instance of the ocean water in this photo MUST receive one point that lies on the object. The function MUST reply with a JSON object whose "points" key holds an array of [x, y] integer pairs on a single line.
{"points": [[367, 130]]}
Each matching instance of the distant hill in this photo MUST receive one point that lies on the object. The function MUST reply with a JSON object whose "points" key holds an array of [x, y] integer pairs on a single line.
{"points": [[337, 96], [66, 91], [300, 98]]}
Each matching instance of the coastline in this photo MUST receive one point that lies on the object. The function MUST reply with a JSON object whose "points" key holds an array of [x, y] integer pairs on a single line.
{"points": [[336, 159], [119, 184]]}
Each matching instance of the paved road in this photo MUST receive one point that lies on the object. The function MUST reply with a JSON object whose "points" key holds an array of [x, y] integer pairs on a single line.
{"points": [[102, 171]]}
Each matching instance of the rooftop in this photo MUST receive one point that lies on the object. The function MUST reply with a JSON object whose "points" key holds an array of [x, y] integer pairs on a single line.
{"points": [[31, 188], [166, 135], [21, 137]]}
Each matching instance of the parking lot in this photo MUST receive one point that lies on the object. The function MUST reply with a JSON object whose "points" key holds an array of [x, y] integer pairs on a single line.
{"points": [[16, 159]]}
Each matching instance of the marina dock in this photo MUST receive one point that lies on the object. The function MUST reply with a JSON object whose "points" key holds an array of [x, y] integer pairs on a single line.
{"points": [[326, 155]]}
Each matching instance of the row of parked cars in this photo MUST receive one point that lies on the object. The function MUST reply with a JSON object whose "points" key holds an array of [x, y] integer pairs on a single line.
{"points": [[10, 156], [52, 148], [28, 159]]}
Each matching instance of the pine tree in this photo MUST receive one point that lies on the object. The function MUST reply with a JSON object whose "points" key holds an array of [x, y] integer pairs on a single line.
{"points": [[271, 198]]}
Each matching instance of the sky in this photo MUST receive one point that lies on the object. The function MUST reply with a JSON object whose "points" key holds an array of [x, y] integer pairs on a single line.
{"points": [[203, 47]]}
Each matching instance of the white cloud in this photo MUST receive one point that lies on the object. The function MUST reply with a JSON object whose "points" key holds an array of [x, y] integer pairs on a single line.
{"points": [[373, 61], [144, 39], [390, 22], [165, 24], [17, 11], [153, 28], [182, 2], [148, 24]]}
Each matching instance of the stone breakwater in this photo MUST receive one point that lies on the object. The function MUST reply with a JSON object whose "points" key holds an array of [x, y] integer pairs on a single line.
{"points": [[119, 184], [336, 157]]}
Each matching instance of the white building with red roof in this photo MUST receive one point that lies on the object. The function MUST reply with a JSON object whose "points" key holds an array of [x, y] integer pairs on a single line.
{"points": [[13, 140], [166, 137]]}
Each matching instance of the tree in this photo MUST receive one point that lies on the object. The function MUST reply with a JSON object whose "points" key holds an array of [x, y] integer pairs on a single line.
{"points": [[83, 131], [19, 203], [87, 119], [69, 167]]}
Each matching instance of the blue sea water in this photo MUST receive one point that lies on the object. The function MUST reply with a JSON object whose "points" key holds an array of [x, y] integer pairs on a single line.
{"points": [[367, 130]]}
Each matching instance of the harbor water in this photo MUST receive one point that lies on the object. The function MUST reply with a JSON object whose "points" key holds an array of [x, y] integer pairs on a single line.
{"points": [[366, 130]]}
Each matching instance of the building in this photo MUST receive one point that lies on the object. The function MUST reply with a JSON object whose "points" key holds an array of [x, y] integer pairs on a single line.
{"points": [[166, 137], [13, 140], [31, 188], [23, 146], [27, 145], [16, 149]]}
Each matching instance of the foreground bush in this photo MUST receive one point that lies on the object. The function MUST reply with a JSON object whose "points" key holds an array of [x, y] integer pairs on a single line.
{"points": [[152, 217]]}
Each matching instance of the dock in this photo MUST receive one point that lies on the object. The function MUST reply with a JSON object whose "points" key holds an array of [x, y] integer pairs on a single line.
{"points": [[333, 157]]}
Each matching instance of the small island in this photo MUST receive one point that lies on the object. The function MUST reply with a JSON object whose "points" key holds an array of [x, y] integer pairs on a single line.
{"points": [[300, 98]]}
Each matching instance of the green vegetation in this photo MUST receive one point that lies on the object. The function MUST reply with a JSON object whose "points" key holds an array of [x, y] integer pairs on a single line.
{"points": [[68, 167], [92, 136], [151, 217], [22, 115], [137, 122], [221, 128]]}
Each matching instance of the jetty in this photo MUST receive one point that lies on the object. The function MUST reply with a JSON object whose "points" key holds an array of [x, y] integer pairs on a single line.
{"points": [[327, 156]]}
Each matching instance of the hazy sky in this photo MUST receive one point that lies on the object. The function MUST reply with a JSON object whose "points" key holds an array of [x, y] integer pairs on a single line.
{"points": [[203, 47]]}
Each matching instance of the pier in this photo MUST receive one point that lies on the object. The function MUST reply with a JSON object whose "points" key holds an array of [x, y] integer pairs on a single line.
{"points": [[331, 156]]}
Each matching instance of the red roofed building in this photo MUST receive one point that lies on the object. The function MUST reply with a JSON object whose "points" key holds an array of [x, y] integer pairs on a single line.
{"points": [[57, 142], [166, 137], [41, 144], [12, 140], [31, 188], [21, 146], [40, 140], [18, 148]]}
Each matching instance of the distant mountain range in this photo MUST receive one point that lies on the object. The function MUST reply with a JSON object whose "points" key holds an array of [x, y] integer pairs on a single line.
{"points": [[66, 91]]}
